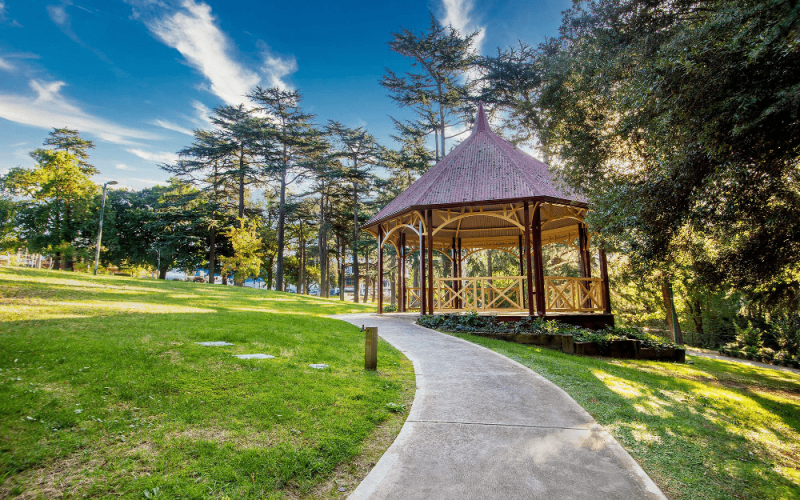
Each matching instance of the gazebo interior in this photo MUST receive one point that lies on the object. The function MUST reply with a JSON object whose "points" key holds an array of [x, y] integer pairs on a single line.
{"points": [[488, 195]]}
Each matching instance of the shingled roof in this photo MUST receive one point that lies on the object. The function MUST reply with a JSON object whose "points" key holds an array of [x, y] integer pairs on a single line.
{"points": [[483, 168]]}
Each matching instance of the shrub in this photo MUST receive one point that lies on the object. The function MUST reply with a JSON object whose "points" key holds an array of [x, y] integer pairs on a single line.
{"points": [[783, 357], [390, 308], [766, 354], [786, 331], [748, 336]]}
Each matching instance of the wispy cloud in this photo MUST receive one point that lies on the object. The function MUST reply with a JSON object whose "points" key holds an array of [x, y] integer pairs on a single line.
{"points": [[2, 10], [458, 14], [172, 126], [194, 31], [58, 14], [48, 108], [122, 166], [203, 114], [5, 65], [163, 157]]}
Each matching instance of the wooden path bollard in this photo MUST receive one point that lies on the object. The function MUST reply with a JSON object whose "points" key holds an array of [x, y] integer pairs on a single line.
{"points": [[371, 348]]}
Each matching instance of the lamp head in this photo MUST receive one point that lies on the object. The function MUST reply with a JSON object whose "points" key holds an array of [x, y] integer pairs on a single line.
{"points": [[111, 183]]}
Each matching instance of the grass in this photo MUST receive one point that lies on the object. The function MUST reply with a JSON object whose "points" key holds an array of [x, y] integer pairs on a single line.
{"points": [[103, 391], [710, 430]]}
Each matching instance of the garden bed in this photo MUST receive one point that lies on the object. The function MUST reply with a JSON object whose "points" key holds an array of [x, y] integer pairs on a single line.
{"points": [[622, 343]]}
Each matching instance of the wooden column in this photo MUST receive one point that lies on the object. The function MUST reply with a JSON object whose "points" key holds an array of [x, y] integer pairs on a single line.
{"points": [[380, 269], [521, 257], [459, 303], [455, 272], [585, 258], [430, 261], [601, 256], [528, 268], [401, 271], [422, 281], [538, 265]]}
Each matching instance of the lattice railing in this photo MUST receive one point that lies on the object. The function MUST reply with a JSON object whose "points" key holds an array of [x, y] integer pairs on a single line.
{"points": [[506, 294], [497, 293], [568, 294]]}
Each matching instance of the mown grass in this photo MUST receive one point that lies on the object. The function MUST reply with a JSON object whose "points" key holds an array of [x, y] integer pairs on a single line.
{"points": [[709, 430], [103, 391]]}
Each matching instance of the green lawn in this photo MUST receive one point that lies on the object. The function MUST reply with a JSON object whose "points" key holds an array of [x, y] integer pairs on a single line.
{"points": [[710, 430], [103, 391]]}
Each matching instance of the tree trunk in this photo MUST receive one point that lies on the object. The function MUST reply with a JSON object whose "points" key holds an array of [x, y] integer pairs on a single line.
{"points": [[322, 244], [301, 285], [340, 263], [270, 263], [281, 229], [355, 244], [672, 317], [162, 273], [241, 187], [366, 278], [212, 255]]}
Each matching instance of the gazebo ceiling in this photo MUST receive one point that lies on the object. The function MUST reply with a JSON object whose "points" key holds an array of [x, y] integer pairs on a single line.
{"points": [[483, 169]]}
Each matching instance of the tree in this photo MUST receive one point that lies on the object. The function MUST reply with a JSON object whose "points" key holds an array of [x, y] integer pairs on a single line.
{"points": [[71, 142], [439, 91], [679, 122], [246, 258], [359, 152], [235, 144], [289, 141], [56, 201]]}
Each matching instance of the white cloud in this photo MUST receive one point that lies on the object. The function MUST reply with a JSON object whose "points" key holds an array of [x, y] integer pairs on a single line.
{"points": [[203, 114], [58, 14], [5, 65], [163, 157], [48, 109], [193, 31], [148, 181], [457, 13], [172, 126], [2, 10], [122, 166]]}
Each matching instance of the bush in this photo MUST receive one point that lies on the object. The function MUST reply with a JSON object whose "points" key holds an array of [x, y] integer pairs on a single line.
{"points": [[474, 323], [766, 354], [783, 357], [748, 336], [786, 332], [389, 309]]}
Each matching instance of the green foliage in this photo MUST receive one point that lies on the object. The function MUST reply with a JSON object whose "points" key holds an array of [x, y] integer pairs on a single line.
{"points": [[246, 259], [748, 336], [680, 124]]}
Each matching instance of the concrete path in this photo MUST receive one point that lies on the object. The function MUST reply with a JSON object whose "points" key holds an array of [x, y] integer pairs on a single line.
{"points": [[483, 426], [720, 357]]}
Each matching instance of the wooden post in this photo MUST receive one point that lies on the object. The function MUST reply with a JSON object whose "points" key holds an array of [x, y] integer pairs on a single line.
{"points": [[601, 256], [528, 267], [380, 269], [459, 303], [422, 295], [585, 259], [402, 271], [430, 262], [538, 265], [371, 348]]}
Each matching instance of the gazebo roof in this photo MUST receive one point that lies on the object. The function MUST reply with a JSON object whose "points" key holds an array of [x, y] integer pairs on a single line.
{"points": [[483, 168]]}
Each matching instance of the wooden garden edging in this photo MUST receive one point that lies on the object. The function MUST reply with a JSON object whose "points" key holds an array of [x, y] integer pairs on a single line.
{"points": [[621, 349]]}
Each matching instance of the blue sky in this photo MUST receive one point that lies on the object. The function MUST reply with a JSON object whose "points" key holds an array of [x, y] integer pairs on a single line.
{"points": [[136, 76]]}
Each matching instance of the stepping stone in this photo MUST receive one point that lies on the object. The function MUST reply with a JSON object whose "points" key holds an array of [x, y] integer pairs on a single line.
{"points": [[253, 356], [213, 344], [318, 366]]}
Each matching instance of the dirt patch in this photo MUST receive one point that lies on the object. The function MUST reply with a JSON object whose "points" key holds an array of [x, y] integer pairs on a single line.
{"points": [[240, 440]]}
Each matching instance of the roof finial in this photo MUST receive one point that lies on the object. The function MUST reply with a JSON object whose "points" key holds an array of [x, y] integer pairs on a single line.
{"points": [[481, 122]]}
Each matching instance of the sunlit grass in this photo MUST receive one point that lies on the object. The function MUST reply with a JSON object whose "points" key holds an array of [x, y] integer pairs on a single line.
{"points": [[104, 392], [709, 430]]}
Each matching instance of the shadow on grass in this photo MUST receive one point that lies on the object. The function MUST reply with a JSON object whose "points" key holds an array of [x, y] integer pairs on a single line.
{"points": [[696, 436]]}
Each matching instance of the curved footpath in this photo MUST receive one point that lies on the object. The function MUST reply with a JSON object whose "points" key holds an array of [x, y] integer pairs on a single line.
{"points": [[483, 426]]}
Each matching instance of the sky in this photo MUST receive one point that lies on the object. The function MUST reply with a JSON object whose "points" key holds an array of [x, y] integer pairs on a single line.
{"points": [[137, 76]]}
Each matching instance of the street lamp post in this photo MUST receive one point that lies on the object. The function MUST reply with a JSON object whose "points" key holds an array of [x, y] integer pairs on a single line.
{"points": [[100, 232]]}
